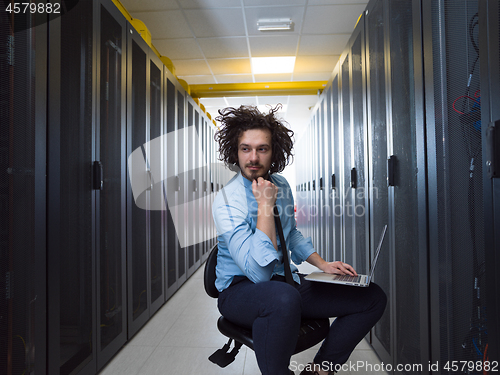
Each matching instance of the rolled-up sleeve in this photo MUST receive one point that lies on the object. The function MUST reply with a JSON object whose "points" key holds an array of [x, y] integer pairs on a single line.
{"points": [[301, 248], [252, 251]]}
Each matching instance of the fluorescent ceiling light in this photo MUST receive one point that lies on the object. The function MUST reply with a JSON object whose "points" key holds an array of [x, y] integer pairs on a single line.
{"points": [[274, 24], [269, 65]]}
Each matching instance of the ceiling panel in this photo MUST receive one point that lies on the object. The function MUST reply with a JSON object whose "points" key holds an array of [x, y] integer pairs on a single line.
{"points": [[323, 44], [284, 45], [337, 2], [273, 100], [332, 19], [213, 102], [148, 5], [216, 22], [205, 4], [273, 2], [312, 64], [171, 24], [277, 77], [225, 47], [178, 49], [187, 67], [230, 66], [236, 102]]}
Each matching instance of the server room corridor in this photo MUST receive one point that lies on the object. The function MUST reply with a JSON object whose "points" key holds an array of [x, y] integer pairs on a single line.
{"points": [[181, 336]]}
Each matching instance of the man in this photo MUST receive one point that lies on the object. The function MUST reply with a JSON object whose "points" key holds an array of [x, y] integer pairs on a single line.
{"points": [[249, 263]]}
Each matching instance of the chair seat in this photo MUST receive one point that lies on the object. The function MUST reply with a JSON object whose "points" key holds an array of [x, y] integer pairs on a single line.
{"points": [[312, 331]]}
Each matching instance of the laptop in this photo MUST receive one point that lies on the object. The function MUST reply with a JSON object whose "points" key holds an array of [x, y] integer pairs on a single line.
{"points": [[360, 280]]}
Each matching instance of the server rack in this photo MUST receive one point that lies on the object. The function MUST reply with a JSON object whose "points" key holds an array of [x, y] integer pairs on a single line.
{"points": [[172, 184], [378, 150], [156, 164], [195, 185], [336, 191], [22, 193], [406, 183], [345, 139], [71, 229], [489, 29], [359, 160], [181, 209], [138, 216], [110, 139], [457, 247], [326, 182]]}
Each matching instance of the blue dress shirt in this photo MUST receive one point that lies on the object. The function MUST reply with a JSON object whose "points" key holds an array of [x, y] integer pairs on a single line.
{"points": [[245, 250]]}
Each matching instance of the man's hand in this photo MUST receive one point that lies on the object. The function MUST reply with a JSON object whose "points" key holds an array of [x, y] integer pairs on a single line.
{"points": [[265, 192], [338, 268]]}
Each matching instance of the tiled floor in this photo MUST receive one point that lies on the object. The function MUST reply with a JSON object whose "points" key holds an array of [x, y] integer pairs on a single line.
{"points": [[181, 336]]}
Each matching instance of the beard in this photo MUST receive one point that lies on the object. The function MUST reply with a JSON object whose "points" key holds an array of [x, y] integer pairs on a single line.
{"points": [[254, 174]]}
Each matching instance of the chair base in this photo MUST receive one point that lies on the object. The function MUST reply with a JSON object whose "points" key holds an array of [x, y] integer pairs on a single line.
{"points": [[312, 331], [223, 356]]}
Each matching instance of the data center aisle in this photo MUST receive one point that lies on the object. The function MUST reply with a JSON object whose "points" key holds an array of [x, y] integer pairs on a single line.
{"points": [[181, 336]]}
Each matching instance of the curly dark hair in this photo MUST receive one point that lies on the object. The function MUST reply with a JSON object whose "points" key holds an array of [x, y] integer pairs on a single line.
{"points": [[235, 121]]}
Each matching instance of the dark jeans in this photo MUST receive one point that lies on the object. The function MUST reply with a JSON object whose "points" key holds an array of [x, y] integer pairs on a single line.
{"points": [[273, 309]]}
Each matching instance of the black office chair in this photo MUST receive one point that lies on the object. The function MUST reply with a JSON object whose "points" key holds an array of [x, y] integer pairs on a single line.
{"points": [[311, 332]]}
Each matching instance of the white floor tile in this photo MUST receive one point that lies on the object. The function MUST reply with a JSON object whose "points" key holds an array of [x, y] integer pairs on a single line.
{"points": [[128, 361], [180, 361]]}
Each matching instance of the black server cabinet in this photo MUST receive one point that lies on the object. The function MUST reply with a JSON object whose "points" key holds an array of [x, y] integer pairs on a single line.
{"points": [[138, 246], [110, 180], [345, 140], [182, 224], [23, 330], [378, 151], [407, 185], [172, 183], [156, 163], [323, 237], [192, 201], [489, 41], [71, 198], [325, 182], [145, 191], [207, 141], [458, 305], [359, 154], [335, 188], [318, 200]]}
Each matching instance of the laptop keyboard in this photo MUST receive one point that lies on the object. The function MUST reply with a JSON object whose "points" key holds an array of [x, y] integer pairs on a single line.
{"points": [[354, 279]]}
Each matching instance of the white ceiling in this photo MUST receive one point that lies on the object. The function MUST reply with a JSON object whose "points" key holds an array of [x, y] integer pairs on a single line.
{"points": [[212, 41]]}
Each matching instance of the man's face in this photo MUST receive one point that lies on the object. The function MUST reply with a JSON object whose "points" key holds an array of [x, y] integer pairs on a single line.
{"points": [[255, 153]]}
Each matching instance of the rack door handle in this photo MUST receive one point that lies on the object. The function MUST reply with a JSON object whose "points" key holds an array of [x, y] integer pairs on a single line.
{"points": [[391, 161], [98, 176]]}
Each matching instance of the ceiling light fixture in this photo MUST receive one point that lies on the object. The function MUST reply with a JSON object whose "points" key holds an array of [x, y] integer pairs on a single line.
{"points": [[275, 24]]}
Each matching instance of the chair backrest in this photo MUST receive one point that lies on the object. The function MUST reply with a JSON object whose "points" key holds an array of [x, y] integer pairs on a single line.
{"points": [[210, 275]]}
